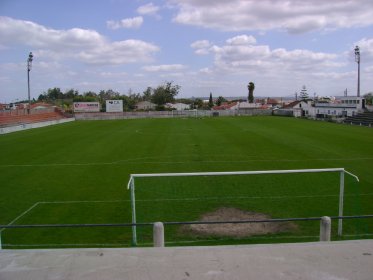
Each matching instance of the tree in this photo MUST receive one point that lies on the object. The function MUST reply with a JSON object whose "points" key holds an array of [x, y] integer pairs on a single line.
{"points": [[165, 94], [369, 98], [211, 103], [54, 93], [251, 87], [198, 103], [220, 100], [303, 94], [147, 94], [70, 94]]}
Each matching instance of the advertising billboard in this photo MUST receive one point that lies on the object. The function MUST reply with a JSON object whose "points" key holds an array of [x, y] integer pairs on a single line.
{"points": [[114, 105], [86, 107]]}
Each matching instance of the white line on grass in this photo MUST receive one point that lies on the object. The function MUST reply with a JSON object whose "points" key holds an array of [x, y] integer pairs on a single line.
{"points": [[199, 198], [82, 201], [23, 214], [138, 161]]}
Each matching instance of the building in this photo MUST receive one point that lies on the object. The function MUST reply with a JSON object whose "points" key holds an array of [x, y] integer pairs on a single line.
{"points": [[145, 106], [178, 106], [339, 107], [225, 106], [300, 108], [346, 106]]}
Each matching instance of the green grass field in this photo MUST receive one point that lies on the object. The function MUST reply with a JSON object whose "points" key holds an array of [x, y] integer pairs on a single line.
{"points": [[77, 173]]}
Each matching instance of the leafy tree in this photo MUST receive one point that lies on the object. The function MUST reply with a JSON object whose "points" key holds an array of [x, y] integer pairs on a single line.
{"points": [[303, 95], [198, 103], [128, 103], [147, 94], [90, 94], [251, 87], [70, 94], [211, 103], [165, 94], [42, 97], [83, 98], [369, 98], [220, 100]]}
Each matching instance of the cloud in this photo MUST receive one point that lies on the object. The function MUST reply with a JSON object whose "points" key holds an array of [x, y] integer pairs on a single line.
{"points": [[241, 55], [84, 45], [130, 23], [242, 40], [294, 16], [201, 47], [164, 68], [148, 9], [200, 44]]}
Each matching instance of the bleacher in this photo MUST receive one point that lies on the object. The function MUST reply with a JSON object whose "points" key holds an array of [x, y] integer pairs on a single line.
{"points": [[12, 120], [365, 119]]}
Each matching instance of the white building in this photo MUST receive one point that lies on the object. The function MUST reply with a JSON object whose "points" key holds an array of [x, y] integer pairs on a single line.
{"points": [[178, 106], [145, 105], [300, 108], [245, 105], [340, 107], [345, 106]]}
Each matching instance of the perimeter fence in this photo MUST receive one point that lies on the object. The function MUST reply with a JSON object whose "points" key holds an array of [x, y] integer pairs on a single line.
{"points": [[158, 227], [171, 114]]}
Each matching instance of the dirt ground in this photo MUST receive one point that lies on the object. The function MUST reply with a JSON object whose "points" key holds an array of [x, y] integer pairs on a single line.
{"points": [[236, 230]]}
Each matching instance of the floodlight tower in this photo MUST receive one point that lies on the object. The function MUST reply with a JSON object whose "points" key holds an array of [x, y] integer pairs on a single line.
{"points": [[29, 66], [357, 59]]}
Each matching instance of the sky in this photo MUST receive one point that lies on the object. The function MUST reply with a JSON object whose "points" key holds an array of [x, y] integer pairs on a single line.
{"points": [[209, 46]]}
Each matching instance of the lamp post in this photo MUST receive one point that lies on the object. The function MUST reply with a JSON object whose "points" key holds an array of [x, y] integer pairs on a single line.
{"points": [[357, 59], [29, 65]]}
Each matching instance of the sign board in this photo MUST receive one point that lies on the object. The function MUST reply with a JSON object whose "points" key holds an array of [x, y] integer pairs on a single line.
{"points": [[114, 105], [86, 107]]}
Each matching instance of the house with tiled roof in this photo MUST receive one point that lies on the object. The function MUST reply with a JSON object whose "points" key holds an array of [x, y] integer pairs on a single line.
{"points": [[225, 106], [300, 108]]}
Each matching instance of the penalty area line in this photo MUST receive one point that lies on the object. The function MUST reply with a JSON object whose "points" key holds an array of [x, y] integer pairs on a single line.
{"points": [[21, 215]]}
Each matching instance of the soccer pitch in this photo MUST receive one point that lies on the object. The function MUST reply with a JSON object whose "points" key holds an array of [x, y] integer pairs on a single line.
{"points": [[77, 173]]}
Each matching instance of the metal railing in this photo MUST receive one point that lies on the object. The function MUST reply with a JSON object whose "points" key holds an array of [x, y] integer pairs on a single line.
{"points": [[158, 227]]}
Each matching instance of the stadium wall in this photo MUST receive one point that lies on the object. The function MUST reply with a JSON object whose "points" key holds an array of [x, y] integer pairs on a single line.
{"points": [[172, 114]]}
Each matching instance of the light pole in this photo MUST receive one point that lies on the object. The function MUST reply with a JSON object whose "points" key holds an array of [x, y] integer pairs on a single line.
{"points": [[29, 65], [357, 59]]}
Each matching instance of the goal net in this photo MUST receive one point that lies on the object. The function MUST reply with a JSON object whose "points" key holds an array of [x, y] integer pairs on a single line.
{"points": [[239, 195]]}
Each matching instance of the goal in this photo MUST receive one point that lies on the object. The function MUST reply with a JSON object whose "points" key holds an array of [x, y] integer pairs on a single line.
{"points": [[191, 193]]}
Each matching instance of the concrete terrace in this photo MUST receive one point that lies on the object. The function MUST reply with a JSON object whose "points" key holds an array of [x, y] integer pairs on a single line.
{"points": [[319, 260]]}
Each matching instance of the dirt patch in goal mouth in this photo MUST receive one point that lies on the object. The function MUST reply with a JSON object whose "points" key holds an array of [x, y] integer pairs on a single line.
{"points": [[236, 229]]}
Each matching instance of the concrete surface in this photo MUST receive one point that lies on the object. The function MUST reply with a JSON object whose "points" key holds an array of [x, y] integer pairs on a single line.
{"points": [[10, 129], [321, 261]]}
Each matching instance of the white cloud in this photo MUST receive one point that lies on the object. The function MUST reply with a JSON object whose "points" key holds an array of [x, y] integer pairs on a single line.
{"points": [[241, 55], [130, 23], [242, 40], [201, 47], [164, 68], [200, 44], [369, 69], [87, 46], [148, 9], [294, 16]]}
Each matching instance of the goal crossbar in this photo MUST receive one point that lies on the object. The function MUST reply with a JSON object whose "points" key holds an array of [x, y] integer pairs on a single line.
{"points": [[342, 171], [258, 172]]}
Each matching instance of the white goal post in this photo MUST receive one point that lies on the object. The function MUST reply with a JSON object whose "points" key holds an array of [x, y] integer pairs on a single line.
{"points": [[342, 171]]}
